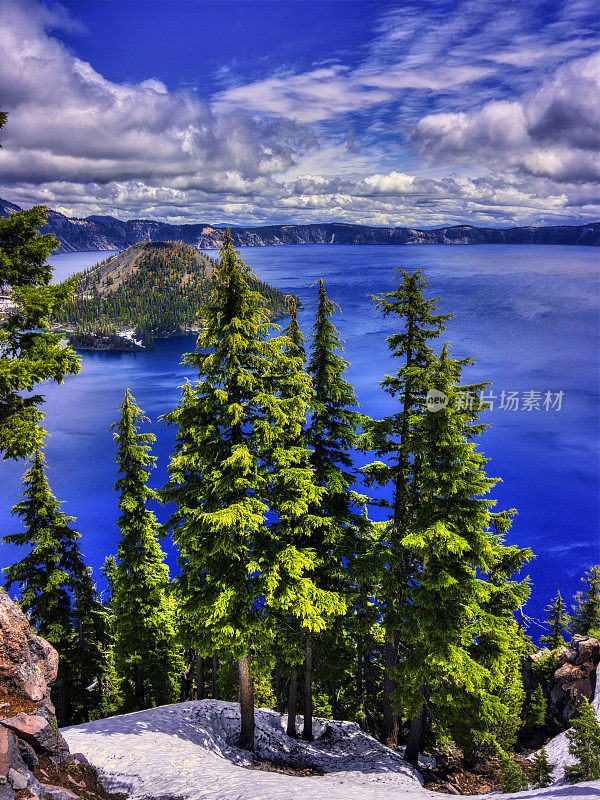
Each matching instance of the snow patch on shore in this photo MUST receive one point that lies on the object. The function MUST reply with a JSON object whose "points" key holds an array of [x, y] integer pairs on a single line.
{"points": [[129, 334], [187, 752]]}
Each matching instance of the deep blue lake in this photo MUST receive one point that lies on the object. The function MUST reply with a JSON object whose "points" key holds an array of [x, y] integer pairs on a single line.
{"points": [[528, 313]]}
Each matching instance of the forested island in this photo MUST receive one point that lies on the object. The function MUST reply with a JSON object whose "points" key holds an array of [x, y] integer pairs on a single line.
{"points": [[150, 290], [108, 233]]}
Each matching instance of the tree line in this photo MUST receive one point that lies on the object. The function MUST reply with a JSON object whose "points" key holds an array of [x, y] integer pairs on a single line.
{"points": [[288, 594]]}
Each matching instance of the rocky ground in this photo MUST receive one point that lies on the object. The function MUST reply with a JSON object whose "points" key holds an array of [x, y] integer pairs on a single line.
{"points": [[35, 762]]}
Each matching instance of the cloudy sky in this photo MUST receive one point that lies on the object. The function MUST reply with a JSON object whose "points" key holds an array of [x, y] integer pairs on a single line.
{"points": [[419, 113]]}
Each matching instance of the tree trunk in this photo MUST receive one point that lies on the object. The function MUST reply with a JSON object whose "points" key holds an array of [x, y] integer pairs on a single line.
{"points": [[390, 719], [292, 703], [199, 677], [138, 686], [360, 692], [307, 732], [215, 675], [62, 707], [185, 688], [246, 696], [415, 737], [359, 670], [279, 691], [333, 700]]}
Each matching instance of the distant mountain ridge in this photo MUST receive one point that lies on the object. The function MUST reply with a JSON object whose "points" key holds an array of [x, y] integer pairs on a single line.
{"points": [[109, 233]]}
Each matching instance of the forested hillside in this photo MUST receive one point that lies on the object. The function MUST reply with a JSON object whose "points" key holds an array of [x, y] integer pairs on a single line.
{"points": [[150, 289]]}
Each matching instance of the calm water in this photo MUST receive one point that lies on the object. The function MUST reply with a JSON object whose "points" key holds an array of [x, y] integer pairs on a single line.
{"points": [[528, 313]]}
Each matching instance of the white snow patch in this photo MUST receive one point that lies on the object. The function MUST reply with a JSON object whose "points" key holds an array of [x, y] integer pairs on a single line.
{"points": [[187, 752], [130, 335]]}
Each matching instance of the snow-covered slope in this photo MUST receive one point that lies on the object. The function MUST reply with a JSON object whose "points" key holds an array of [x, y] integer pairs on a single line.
{"points": [[186, 752]]}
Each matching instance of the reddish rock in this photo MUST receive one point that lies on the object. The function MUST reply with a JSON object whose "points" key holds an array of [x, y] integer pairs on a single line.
{"points": [[27, 662], [575, 678], [31, 746], [58, 793], [5, 754], [588, 650], [36, 731]]}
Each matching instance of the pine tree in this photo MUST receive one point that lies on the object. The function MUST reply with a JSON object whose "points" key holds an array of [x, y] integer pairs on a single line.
{"points": [[540, 773], [455, 664], [233, 461], [512, 697], [29, 355], [513, 777], [292, 632], [57, 592], [557, 620], [112, 698], [536, 712], [146, 650], [586, 616], [392, 440], [91, 650], [584, 745], [332, 435], [333, 430]]}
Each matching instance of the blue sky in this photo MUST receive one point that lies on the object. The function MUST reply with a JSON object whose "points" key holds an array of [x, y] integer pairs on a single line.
{"points": [[417, 113]]}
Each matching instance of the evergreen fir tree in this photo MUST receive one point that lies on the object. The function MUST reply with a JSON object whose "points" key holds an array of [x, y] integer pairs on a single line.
{"points": [[557, 620], [332, 435], [513, 777], [232, 463], [333, 431], [584, 745], [48, 577], [109, 570], [586, 616], [512, 697], [540, 773], [392, 439], [29, 354], [146, 650], [537, 709], [456, 665], [91, 650], [292, 632], [112, 700]]}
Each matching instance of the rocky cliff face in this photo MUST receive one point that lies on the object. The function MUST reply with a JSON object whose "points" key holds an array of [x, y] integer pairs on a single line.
{"points": [[573, 678], [107, 233], [35, 763]]}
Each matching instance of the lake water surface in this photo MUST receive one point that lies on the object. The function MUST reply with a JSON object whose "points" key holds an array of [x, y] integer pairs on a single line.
{"points": [[528, 313]]}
